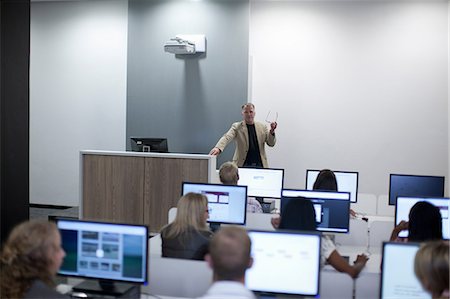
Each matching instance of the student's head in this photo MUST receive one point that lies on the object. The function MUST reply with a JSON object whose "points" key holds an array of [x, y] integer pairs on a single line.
{"points": [[425, 222], [248, 113], [32, 251], [229, 173], [431, 266], [326, 180], [298, 214], [229, 254], [192, 211]]}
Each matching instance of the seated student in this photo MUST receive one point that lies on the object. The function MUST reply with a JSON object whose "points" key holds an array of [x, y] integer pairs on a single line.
{"points": [[425, 224], [431, 266], [229, 258], [30, 259], [187, 237], [229, 175], [299, 214]]}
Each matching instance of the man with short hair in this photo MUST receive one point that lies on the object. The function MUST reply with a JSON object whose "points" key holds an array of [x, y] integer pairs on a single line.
{"points": [[229, 258], [229, 175], [250, 137]]}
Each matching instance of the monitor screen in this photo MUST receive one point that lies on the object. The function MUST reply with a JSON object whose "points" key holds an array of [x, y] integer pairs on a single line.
{"points": [[226, 204], [415, 186], [404, 205], [142, 144], [332, 208], [262, 182], [284, 262], [397, 272], [347, 181], [103, 250]]}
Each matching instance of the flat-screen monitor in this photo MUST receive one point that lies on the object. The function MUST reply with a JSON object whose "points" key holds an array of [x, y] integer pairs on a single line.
{"points": [[415, 186], [262, 182], [104, 251], [332, 208], [347, 181], [404, 205], [143, 144], [397, 272], [284, 262], [226, 203]]}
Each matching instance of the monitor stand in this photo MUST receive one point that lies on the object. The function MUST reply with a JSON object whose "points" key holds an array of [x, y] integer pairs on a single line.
{"points": [[214, 227], [266, 206], [107, 287]]}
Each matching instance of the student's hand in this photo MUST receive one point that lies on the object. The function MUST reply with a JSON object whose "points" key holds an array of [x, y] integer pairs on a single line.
{"points": [[403, 225], [275, 221], [215, 151], [361, 259]]}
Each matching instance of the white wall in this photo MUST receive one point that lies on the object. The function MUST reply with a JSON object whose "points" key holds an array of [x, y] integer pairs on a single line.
{"points": [[358, 86], [77, 91]]}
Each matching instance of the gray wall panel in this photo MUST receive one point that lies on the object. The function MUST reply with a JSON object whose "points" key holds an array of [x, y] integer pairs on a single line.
{"points": [[191, 100]]}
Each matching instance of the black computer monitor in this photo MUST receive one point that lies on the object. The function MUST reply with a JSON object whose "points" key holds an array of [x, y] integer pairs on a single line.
{"points": [[347, 181], [397, 272], [108, 252], [262, 182], [284, 263], [404, 205], [332, 208], [415, 186], [226, 203], [143, 144]]}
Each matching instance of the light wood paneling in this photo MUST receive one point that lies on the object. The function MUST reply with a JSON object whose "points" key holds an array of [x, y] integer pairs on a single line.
{"points": [[113, 188], [163, 178]]}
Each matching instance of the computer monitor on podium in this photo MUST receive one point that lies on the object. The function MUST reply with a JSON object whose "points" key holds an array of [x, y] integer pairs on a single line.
{"points": [[415, 186], [144, 144], [284, 263], [347, 181], [262, 182], [111, 253]]}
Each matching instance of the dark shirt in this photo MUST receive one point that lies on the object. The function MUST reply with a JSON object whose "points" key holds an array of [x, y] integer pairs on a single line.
{"points": [[253, 155], [192, 245], [40, 290]]}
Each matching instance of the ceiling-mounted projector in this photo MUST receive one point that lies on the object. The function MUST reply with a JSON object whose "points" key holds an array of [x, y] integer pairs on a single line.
{"points": [[186, 44]]}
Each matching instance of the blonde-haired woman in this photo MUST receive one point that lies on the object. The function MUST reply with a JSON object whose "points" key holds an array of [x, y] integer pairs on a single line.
{"points": [[30, 260], [188, 236], [431, 266]]}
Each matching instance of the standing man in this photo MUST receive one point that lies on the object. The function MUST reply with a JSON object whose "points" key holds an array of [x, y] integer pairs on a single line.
{"points": [[250, 138], [229, 258]]}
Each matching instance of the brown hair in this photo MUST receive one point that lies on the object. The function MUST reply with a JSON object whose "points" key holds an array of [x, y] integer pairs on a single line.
{"points": [[25, 257], [431, 266], [230, 253], [228, 173]]}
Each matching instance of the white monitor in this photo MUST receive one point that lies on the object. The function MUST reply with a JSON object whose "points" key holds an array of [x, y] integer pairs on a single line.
{"points": [[347, 181], [332, 208], [397, 272], [284, 262], [404, 205], [226, 203], [262, 182]]}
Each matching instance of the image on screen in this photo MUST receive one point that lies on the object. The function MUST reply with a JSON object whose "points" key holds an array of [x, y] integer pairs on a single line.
{"points": [[262, 182], [347, 181], [404, 205], [284, 263], [104, 250], [397, 272], [415, 186], [334, 208], [226, 203]]}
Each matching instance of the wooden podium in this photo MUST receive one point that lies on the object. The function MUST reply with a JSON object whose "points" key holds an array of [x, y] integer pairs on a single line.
{"points": [[140, 188]]}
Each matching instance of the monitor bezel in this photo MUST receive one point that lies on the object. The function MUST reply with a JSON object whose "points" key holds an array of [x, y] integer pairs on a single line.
{"points": [[147, 249], [323, 191], [411, 175], [338, 171], [383, 260], [276, 169], [422, 198], [221, 185], [293, 232], [163, 141]]}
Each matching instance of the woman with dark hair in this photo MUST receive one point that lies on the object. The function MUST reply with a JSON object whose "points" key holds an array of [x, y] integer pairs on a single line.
{"points": [[326, 180], [299, 214], [425, 223]]}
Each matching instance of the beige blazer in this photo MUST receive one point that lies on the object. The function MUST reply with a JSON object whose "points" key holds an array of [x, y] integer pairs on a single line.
{"points": [[239, 133]]}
